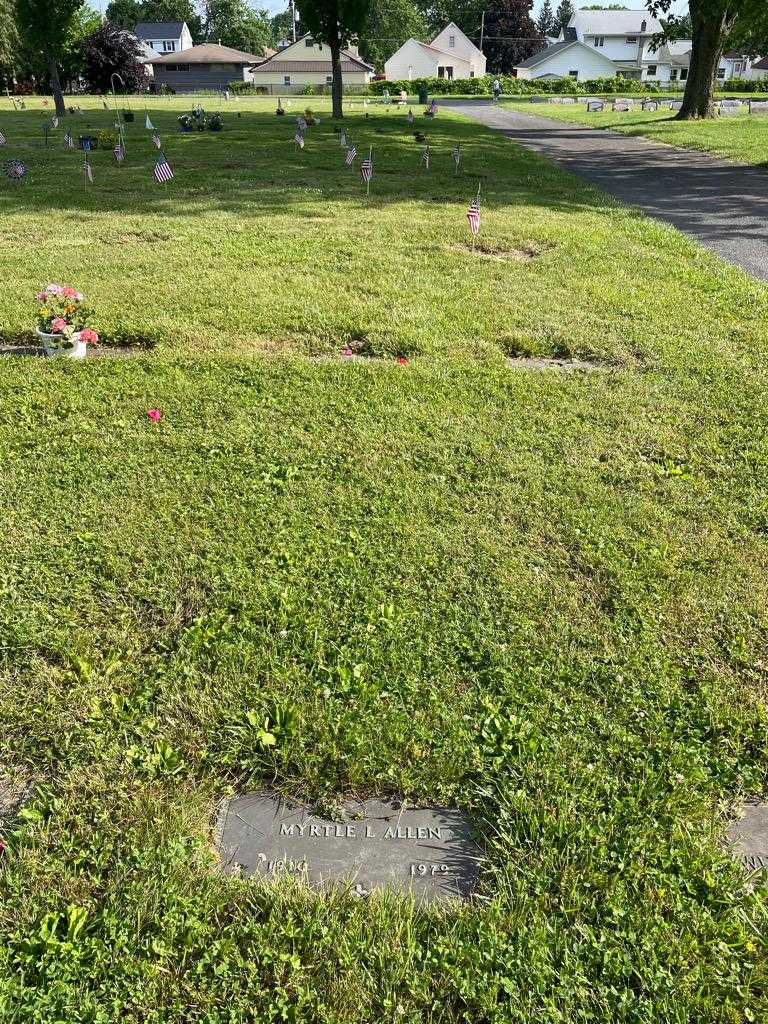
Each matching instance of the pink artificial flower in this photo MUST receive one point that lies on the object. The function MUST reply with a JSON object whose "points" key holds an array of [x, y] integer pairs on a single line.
{"points": [[67, 292], [155, 415], [347, 351], [402, 360], [54, 289], [40, 296], [89, 336], [58, 324]]}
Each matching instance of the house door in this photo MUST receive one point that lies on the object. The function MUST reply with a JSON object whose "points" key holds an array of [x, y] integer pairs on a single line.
{"points": [[445, 72]]}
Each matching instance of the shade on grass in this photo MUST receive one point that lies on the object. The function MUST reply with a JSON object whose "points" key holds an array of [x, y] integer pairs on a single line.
{"points": [[540, 597], [742, 138]]}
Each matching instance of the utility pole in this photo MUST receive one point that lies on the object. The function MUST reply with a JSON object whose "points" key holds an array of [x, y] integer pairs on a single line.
{"points": [[293, 19], [482, 30]]}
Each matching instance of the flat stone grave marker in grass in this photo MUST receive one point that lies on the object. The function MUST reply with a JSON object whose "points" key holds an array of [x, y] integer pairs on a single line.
{"points": [[373, 844], [748, 836]]}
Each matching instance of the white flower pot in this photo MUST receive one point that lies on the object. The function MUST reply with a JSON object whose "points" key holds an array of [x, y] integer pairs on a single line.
{"points": [[58, 345]]}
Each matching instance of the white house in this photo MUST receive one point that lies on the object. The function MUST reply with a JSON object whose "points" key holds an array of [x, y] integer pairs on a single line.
{"points": [[164, 36], [306, 62], [605, 43], [567, 58], [451, 54]]}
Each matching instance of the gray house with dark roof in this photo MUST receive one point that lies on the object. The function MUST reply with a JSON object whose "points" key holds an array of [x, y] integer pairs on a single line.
{"points": [[209, 66], [164, 36]]}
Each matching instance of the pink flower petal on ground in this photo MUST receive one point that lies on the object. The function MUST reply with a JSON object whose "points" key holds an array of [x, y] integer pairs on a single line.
{"points": [[155, 415]]}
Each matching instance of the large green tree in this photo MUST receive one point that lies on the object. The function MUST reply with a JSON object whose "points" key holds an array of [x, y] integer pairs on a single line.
{"points": [[387, 26], [45, 25], [9, 38], [237, 25], [545, 23], [335, 23], [282, 29], [563, 15], [510, 34], [713, 22]]}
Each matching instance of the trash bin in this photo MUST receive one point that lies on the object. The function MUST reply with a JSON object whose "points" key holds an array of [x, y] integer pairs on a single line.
{"points": [[423, 97]]}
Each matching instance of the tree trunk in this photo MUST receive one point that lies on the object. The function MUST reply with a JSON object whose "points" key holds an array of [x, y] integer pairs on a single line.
{"points": [[337, 82], [58, 98], [709, 32]]}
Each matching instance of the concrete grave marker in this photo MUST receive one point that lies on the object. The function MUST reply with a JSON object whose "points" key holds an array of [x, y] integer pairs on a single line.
{"points": [[595, 106], [758, 106], [676, 105], [748, 836], [623, 105], [374, 844], [650, 105]]}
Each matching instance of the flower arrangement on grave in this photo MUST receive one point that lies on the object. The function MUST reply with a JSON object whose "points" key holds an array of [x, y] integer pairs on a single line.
{"points": [[62, 319], [106, 140], [214, 122], [309, 117]]}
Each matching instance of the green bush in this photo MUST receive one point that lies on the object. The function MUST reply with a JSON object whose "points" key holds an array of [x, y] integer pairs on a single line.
{"points": [[517, 86]]}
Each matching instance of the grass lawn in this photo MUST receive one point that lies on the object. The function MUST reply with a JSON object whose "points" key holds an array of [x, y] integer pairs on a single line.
{"points": [[742, 138], [537, 596]]}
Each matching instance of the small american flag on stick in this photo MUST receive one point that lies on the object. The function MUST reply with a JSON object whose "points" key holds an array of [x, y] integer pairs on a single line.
{"points": [[298, 138], [119, 152], [350, 157], [473, 217], [410, 117], [87, 171], [69, 142], [366, 169], [2, 139], [163, 170], [54, 122], [456, 156], [148, 124], [156, 140], [425, 157], [343, 138]]}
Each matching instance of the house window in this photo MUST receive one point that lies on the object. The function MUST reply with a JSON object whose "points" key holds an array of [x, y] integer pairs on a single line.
{"points": [[286, 79], [329, 79], [183, 67], [631, 39], [451, 41], [721, 72], [573, 74], [171, 67], [599, 40], [471, 72], [308, 42], [673, 75], [169, 45], [651, 71], [683, 74]]}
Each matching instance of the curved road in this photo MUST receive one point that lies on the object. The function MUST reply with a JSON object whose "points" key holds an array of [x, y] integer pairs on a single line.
{"points": [[722, 205]]}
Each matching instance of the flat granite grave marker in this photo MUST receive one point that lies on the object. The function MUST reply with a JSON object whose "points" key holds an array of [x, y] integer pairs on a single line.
{"points": [[758, 106], [595, 106], [748, 836], [374, 844], [650, 105]]}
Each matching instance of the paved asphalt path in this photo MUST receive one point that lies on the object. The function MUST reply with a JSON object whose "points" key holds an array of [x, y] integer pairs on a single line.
{"points": [[723, 205]]}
